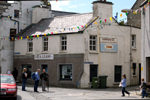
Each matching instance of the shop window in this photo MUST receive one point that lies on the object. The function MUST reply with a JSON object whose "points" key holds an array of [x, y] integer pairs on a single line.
{"points": [[134, 68], [133, 41], [63, 43], [118, 73], [93, 42], [16, 13], [30, 45], [45, 44], [65, 71], [29, 70]]}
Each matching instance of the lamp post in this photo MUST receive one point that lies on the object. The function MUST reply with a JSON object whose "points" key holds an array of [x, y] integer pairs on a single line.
{"points": [[130, 54]]}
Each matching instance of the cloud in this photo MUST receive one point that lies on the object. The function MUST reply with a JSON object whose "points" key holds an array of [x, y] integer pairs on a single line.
{"points": [[59, 5]]}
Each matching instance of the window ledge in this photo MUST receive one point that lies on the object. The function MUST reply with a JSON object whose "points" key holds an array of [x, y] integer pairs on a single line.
{"points": [[63, 51], [133, 48], [116, 83], [134, 75], [93, 52], [29, 53], [44, 52]]}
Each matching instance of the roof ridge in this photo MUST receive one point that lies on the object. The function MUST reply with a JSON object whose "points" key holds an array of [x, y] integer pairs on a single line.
{"points": [[73, 15]]}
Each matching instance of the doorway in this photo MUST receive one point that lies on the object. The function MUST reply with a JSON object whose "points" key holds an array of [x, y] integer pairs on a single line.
{"points": [[139, 74], [93, 71], [44, 66], [118, 73], [148, 69]]}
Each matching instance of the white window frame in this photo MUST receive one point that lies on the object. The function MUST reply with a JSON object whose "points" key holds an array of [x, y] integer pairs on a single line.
{"points": [[92, 39], [29, 49], [63, 41], [133, 41], [45, 40]]}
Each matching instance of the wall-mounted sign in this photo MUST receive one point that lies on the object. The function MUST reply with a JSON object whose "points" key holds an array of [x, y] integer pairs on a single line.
{"points": [[108, 40], [108, 44], [44, 57]]}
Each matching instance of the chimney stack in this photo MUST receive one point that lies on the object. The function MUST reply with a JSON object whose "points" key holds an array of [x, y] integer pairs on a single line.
{"points": [[102, 8]]}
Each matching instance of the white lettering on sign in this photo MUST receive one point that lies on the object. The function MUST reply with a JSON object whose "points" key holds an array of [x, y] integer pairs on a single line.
{"points": [[44, 57]]}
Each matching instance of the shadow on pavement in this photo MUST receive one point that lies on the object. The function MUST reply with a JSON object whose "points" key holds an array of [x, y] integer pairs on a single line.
{"points": [[4, 98]]}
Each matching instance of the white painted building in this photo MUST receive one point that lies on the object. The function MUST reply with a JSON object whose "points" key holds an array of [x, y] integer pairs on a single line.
{"points": [[73, 54], [145, 41]]}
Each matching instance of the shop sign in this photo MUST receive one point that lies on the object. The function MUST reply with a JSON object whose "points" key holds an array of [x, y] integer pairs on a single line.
{"points": [[44, 57]]}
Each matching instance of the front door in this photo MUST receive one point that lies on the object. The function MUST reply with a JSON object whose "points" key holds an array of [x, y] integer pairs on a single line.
{"points": [[44, 66], [118, 73], [93, 71], [139, 74]]}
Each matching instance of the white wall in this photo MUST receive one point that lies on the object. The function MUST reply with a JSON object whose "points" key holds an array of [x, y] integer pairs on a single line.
{"points": [[75, 45]]}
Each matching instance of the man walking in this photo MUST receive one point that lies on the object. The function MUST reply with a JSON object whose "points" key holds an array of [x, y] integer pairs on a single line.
{"points": [[44, 78], [37, 78]]}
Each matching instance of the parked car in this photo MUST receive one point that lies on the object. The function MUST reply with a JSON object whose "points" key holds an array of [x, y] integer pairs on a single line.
{"points": [[8, 87]]}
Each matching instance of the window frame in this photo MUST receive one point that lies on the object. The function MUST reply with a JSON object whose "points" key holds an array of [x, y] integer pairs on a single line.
{"points": [[63, 43], [28, 45], [93, 42], [133, 41], [60, 72], [45, 40]]}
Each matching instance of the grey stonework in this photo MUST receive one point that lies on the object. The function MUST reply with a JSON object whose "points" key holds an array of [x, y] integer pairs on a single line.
{"points": [[53, 67], [135, 20]]}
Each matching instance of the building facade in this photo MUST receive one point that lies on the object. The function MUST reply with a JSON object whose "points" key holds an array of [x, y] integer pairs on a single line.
{"points": [[75, 48], [145, 17]]}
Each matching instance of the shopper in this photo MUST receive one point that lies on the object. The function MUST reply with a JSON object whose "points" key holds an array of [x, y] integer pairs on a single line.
{"points": [[123, 84], [44, 79], [37, 79], [24, 79], [143, 87]]}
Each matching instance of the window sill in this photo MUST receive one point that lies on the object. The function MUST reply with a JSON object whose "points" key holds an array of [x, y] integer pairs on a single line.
{"points": [[116, 83], [93, 52], [43, 52], [133, 48], [63, 51], [29, 53], [134, 75]]}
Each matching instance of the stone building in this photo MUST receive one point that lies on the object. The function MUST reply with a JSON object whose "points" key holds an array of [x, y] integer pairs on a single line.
{"points": [[135, 19], [75, 48], [145, 17], [14, 18]]}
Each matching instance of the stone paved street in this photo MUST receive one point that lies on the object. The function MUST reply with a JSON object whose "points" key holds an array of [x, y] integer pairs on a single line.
{"points": [[76, 94]]}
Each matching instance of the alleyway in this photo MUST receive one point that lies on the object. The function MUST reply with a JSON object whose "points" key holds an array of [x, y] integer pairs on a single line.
{"points": [[76, 94]]}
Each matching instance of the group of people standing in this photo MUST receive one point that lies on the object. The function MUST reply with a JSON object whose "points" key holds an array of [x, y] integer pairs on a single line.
{"points": [[37, 76]]}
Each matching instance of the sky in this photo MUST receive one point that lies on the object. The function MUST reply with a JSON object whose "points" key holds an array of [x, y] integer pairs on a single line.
{"points": [[85, 6]]}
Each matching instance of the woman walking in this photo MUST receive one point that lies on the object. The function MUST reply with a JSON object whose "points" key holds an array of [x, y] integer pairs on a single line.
{"points": [[123, 84], [24, 79]]}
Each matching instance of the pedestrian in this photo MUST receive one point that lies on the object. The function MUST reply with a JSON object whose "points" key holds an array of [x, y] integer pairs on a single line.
{"points": [[143, 87], [15, 73], [44, 79], [123, 85], [24, 79], [37, 79]]}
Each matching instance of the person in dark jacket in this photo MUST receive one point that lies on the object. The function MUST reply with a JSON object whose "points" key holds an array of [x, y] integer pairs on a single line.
{"points": [[24, 79], [143, 87], [15, 73], [44, 78], [37, 79]]}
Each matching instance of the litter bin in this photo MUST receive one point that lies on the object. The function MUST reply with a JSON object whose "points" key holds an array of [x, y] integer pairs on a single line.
{"points": [[102, 81], [95, 82]]}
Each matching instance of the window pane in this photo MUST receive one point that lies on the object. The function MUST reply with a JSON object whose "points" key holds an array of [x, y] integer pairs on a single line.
{"points": [[65, 72]]}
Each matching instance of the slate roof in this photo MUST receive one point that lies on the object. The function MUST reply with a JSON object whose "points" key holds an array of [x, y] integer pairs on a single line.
{"points": [[59, 25]]}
